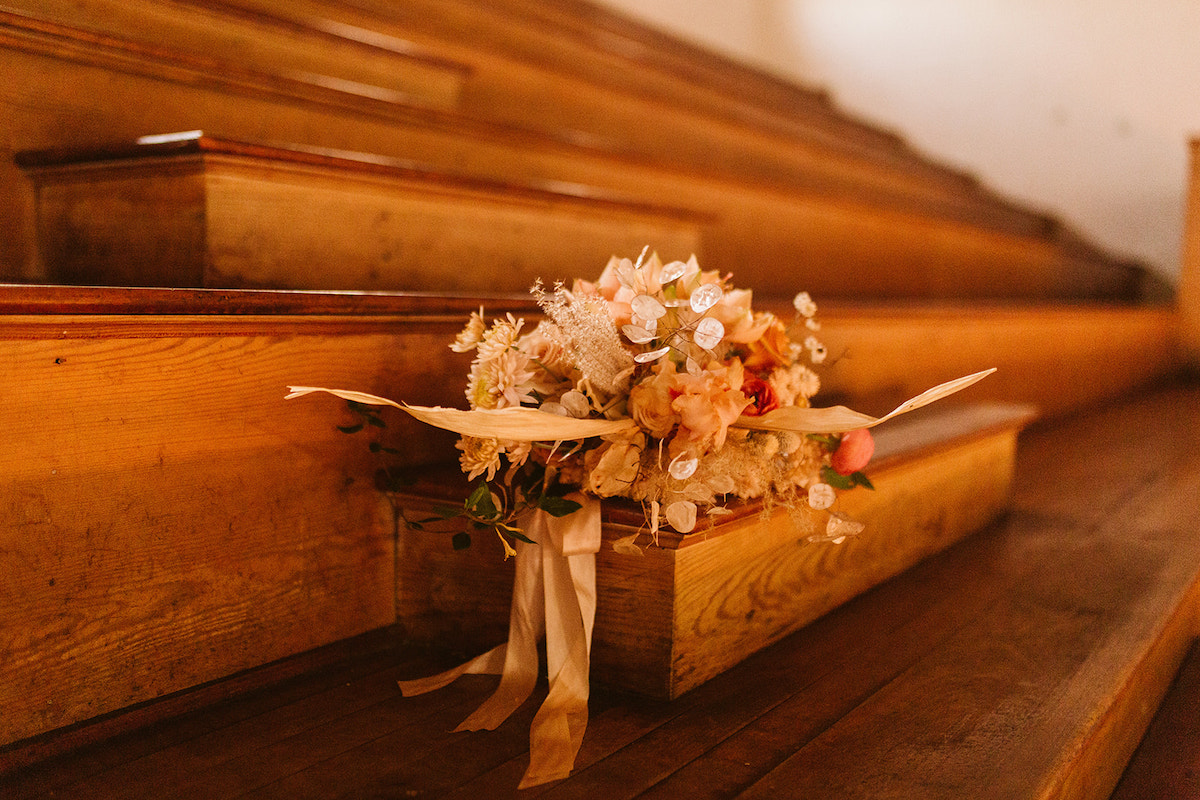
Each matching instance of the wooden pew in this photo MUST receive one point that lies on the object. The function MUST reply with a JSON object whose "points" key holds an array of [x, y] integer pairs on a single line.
{"points": [[820, 198], [196, 211], [178, 522]]}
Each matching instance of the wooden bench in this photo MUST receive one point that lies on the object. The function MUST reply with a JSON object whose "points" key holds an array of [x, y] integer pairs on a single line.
{"points": [[819, 197], [1023, 662], [163, 487]]}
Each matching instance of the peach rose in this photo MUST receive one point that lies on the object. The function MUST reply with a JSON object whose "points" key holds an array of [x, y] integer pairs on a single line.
{"points": [[707, 405]]}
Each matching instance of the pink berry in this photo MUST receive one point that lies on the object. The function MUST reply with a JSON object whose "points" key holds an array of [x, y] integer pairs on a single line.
{"points": [[854, 452]]}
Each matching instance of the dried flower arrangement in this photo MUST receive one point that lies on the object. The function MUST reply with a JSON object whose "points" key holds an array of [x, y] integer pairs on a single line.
{"points": [[658, 383]]}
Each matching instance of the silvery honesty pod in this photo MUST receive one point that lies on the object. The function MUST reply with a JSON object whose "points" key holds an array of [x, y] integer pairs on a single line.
{"points": [[708, 333], [647, 307], [683, 468], [840, 526], [682, 515], [821, 496], [637, 334], [672, 272], [706, 297], [576, 404], [652, 355]]}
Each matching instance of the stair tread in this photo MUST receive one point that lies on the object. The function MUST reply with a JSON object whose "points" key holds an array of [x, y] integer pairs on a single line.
{"points": [[1024, 661]]}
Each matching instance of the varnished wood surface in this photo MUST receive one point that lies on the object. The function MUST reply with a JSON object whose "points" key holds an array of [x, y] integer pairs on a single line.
{"points": [[1024, 662], [555, 95], [1166, 765]]}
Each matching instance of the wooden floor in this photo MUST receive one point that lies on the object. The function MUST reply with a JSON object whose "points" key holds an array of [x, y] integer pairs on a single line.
{"points": [[1024, 662]]}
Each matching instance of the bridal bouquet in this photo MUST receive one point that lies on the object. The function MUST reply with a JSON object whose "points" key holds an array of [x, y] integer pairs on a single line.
{"points": [[681, 355], [659, 383]]}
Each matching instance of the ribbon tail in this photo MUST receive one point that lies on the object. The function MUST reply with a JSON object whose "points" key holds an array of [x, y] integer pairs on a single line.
{"points": [[556, 733], [490, 663], [525, 625]]}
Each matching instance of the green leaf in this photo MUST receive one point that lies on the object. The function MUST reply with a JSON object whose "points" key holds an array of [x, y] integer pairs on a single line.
{"points": [[558, 506], [350, 428], [461, 540], [836, 479], [516, 534], [480, 502], [375, 421], [839, 481], [860, 479], [447, 512], [416, 526], [477, 494]]}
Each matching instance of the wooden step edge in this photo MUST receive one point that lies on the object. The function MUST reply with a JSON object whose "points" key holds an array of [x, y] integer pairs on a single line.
{"points": [[63, 163], [1166, 764], [24, 753], [1094, 765], [22, 298]]}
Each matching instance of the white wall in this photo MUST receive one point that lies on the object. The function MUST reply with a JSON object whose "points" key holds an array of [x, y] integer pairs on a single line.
{"points": [[1082, 108]]}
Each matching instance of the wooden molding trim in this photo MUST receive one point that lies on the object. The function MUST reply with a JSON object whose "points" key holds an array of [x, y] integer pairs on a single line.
{"points": [[45, 162]]}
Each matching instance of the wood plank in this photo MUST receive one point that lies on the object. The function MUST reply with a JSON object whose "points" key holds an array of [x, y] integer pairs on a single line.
{"points": [[215, 40], [1167, 762], [177, 521], [1058, 358], [1017, 663], [52, 761], [214, 365], [226, 214], [782, 201]]}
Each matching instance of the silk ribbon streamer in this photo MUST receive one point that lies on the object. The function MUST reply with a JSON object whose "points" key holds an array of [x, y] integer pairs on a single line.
{"points": [[554, 592], [526, 424]]}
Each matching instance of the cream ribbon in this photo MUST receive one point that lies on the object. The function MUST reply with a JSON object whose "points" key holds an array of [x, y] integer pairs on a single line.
{"points": [[554, 592]]}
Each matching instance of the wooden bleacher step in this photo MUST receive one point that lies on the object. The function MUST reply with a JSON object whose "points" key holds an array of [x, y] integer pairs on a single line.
{"points": [[1166, 765], [1023, 662], [164, 486], [191, 210], [291, 216]]}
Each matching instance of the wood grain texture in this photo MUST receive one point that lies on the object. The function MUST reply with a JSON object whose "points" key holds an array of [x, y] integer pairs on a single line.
{"points": [[1167, 762], [172, 519], [239, 216], [1017, 663], [535, 107], [1058, 358]]}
